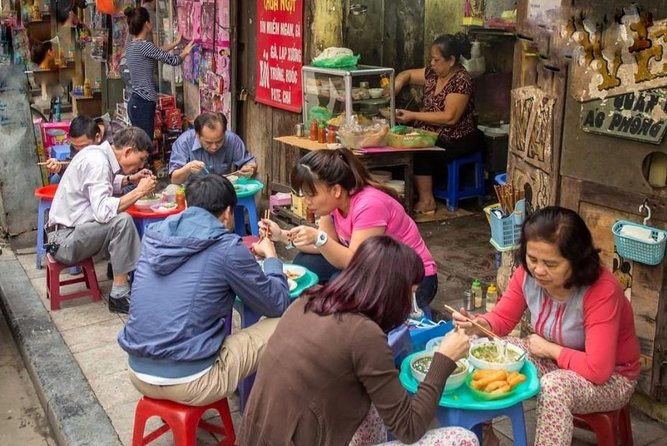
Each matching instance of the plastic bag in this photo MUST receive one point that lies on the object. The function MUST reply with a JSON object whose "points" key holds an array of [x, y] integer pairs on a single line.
{"points": [[342, 61], [320, 114]]}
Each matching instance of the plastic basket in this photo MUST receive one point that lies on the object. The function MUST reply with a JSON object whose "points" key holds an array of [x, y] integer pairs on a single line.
{"points": [[422, 139], [506, 231], [640, 250]]}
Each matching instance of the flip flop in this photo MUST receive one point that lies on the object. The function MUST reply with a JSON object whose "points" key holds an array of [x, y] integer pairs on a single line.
{"points": [[420, 212]]}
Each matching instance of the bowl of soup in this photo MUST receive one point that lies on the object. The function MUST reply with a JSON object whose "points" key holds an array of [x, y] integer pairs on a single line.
{"points": [[488, 354], [145, 202], [420, 363]]}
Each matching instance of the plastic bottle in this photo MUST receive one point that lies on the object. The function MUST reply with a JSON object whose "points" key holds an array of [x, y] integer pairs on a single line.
{"points": [[331, 135], [180, 198], [313, 130], [491, 297], [476, 290]]}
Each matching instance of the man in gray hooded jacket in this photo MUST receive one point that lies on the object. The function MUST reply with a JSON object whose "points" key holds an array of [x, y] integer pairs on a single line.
{"points": [[192, 267]]}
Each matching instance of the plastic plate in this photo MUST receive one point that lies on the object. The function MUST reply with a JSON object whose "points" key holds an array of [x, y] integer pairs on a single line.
{"points": [[486, 396]]}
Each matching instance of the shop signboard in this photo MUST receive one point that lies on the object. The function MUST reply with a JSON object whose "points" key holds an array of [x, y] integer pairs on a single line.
{"points": [[279, 53], [636, 115]]}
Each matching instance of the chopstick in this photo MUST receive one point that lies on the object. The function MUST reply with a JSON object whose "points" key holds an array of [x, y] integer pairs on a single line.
{"points": [[267, 216], [481, 328], [64, 163]]}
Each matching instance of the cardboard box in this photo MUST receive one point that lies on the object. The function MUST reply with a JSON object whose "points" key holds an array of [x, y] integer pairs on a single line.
{"points": [[54, 133]]}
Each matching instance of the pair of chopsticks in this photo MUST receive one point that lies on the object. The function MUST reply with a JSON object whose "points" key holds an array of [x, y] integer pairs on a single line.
{"points": [[62, 163], [267, 216], [481, 328], [508, 196]]}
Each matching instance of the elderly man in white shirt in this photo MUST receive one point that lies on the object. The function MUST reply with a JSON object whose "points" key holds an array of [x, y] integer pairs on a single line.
{"points": [[86, 219]]}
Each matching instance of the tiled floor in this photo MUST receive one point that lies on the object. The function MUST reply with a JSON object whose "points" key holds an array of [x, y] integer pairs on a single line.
{"points": [[90, 331]]}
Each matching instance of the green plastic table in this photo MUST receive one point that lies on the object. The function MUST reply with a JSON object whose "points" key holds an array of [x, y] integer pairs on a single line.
{"points": [[461, 408]]}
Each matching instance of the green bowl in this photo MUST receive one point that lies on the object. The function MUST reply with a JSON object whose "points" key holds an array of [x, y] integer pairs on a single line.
{"points": [[486, 396]]}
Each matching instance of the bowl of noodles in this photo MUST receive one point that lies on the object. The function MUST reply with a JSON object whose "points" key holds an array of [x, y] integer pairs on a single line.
{"points": [[421, 362], [488, 354]]}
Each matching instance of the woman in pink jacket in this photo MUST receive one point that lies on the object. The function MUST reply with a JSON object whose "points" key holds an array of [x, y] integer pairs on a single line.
{"points": [[584, 343]]}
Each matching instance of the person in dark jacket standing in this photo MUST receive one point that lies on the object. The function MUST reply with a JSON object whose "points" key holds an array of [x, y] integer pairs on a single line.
{"points": [[192, 267]]}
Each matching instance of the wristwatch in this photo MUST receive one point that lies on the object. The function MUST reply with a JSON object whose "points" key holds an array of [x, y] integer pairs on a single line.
{"points": [[127, 180], [322, 239]]}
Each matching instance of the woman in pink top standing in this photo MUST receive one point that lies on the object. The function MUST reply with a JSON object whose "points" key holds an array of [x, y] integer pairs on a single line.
{"points": [[584, 343], [352, 208]]}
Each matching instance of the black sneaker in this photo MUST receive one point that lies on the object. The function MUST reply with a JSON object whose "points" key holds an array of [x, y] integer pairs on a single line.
{"points": [[120, 304]]}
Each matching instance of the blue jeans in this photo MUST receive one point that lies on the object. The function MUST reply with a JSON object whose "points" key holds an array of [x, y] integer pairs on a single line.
{"points": [[142, 114], [327, 272]]}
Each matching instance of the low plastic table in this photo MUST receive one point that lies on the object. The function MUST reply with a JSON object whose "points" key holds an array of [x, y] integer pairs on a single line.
{"points": [[461, 408], [246, 189], [144, 218], [45, 195]]}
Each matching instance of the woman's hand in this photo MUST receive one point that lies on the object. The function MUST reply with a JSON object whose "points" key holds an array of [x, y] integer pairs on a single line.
{"points": [[405, 116], [186, 51], [271, 229], [541, 348], [264, 248], [53, 165], [455, 344], [460, 321], [303, 236]]}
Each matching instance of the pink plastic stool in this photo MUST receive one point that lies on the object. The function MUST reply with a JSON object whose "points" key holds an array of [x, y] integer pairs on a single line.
{"points": [[53, 282], [182, 420], [608, 427]]}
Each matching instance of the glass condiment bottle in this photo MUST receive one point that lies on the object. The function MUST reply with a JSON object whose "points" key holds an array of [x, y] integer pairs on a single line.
{"points": [[468, 302], [331, 135], [313, 130], [322, 134], [476, 290]]}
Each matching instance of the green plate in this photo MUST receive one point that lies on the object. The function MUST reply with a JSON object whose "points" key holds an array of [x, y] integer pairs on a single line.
{"points": [[463, 398], [306, 281], [247, 187]]}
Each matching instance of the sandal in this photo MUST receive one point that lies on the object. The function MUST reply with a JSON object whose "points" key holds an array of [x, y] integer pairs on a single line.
{"points": [[425, 212]]}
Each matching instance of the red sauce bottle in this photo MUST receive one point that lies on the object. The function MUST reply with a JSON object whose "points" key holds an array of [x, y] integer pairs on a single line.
{"points": [[313, 130], [322, 134]]}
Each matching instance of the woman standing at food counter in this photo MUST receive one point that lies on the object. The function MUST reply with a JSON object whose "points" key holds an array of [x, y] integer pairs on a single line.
{"points": [[584, 346], [449, 107]]}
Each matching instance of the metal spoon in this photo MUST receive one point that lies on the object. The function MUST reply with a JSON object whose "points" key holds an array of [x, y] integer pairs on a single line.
{"points": [[416, 312]]}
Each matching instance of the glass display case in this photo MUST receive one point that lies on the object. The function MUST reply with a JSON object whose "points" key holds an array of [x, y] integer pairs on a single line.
{"points": [[347, 91]]}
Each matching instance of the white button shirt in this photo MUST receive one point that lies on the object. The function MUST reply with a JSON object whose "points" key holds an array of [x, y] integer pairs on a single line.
{"points": [[86, 189]]}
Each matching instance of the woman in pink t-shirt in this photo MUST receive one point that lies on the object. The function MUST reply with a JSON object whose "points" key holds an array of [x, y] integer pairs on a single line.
{"points": [[352, 208], [584, 343]]}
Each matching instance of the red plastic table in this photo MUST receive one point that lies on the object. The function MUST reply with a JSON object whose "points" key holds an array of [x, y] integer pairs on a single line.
{"points": [[45, 195], [144, 218]]}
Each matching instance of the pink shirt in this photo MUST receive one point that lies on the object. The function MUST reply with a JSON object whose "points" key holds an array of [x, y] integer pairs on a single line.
{"points": [[595, 325], [372, 208]]}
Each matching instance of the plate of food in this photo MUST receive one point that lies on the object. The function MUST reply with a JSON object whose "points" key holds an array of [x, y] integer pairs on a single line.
{"points": [[162, 208], [145, 202], [294, 272], [494, 384], [487, 354], [292, 284], [421, 362], [232, 178]]}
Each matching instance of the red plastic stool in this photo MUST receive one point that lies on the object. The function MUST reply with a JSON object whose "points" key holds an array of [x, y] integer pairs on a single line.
{"points": [[182, 420], [608, 426], [53, 282]]}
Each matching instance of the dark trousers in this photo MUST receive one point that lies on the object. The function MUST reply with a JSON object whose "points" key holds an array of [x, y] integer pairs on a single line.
{"points": [[142, 114], [326, 272], [435, 163]]}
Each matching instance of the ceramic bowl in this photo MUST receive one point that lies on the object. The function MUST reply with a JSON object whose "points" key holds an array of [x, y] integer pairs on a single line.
{"points": [[144, 204], [294, 272], [375, 93], [454, 381], [232, 178], [485, 343], [292, 284], [162, 208]]}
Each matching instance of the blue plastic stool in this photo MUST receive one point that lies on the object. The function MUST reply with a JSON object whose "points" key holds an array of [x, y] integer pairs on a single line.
{"points": [[453, 191], [473, 419], [400, 343], [44, 205], [239, 217]]}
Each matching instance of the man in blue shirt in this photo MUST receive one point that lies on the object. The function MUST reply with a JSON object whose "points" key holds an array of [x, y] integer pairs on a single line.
{"points": [[209, 148]]}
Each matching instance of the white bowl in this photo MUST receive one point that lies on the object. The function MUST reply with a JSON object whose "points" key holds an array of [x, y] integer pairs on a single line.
{"points": [[375, 93], [434, 343], [334, 145], [144, 204], [232, 178], [294, 272], [162, 208], [511, 366], [454, 381], [292, 284]]}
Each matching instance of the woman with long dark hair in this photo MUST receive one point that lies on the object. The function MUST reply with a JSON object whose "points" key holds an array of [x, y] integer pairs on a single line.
{"points": [[142, 55], [329, 360], [352, 207], [449, 110], [584, 343]]}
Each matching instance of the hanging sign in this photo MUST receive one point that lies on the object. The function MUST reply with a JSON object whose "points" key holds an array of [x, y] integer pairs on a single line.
{"points": [[279, 53], [637, 115]]}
